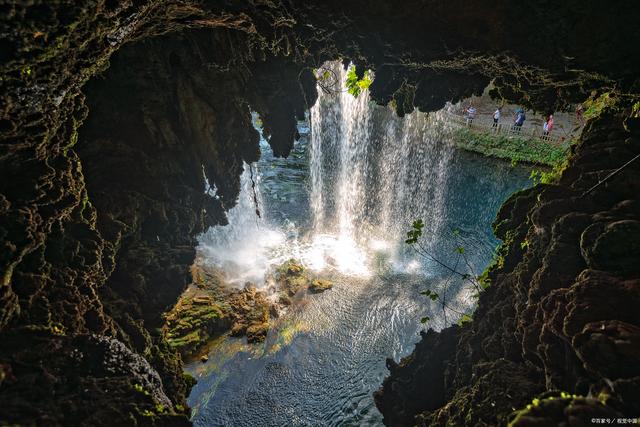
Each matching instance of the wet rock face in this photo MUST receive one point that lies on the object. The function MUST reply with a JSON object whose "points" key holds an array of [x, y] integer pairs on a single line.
{"points": [[418, 380], [210, 307], [98, 222], [291, 278]]}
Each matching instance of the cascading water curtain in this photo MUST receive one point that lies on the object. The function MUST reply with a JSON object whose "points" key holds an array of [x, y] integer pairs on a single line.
{"points": [[371, 172]]}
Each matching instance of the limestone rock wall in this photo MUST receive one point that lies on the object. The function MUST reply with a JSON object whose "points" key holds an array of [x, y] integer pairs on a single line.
{"points": [[102, 174]]}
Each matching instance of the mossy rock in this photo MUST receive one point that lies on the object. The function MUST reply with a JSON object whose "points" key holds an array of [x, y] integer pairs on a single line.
{"points": [[320, 285], [291, 267], [291, 277], [284, 299], [257, 332], [207, 278], [196, 318], [188, 341], [292, 285]]}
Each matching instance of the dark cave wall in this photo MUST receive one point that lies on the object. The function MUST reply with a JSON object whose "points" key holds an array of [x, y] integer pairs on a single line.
{"points": [[98, 241], [98, 222], [157, 128]]}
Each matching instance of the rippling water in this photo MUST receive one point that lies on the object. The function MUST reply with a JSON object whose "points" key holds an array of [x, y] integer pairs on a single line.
{"points": [[341, 203]]}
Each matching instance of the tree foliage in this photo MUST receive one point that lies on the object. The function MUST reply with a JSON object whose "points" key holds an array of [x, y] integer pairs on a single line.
{"points": [[355, 86]]}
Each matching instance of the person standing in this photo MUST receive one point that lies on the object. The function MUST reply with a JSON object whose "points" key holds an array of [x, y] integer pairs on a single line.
{"points": [[520, 118], [471, 114], [496, 117], [547, 127], [549, 124]]}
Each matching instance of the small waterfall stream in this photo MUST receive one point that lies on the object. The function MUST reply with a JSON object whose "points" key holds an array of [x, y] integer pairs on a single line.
{"points": [[342, 204], [243, 248]]}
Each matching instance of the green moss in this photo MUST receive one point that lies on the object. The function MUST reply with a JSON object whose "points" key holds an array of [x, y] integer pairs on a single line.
{"points": [[73, 140], [192, 339], [497, 262], [320, 286], [517, 149], [539, 407], [189, 379], [190, 323], [6, 278], [464, 320], [147, 413], [58, 329], [290, 267], [84, 203], [140, 389], [595, 105]]}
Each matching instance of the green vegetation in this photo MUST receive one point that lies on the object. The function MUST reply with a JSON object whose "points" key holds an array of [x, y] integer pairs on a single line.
{"points": [[515, 148], [322, 74], [140, 389], [464, 319], [197, 317], [539, 408], [594, 106], [553, 176], [58, 329], [635, 109], [354, 85]]}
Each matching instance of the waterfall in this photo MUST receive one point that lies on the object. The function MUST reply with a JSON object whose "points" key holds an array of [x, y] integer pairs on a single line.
{"points": [[243, 248], [371, 172], [340, 125]]}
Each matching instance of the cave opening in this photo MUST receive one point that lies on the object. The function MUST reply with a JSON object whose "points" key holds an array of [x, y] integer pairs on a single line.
{"points": [[337, 212], [217, 213]]}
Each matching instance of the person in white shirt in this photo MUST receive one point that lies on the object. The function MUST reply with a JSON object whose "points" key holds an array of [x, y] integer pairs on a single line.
{"points": [[471, 113], [496, 116]]}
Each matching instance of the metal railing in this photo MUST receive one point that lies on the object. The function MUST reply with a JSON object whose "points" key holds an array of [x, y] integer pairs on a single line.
{"points": [[507, 129]]}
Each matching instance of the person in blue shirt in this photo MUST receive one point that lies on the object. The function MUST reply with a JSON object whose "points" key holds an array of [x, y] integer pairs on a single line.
{"points": [[520, 118]]}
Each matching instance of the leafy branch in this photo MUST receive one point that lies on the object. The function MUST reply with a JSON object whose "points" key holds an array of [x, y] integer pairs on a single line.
{"points": [[461, 268], [356, 85]]}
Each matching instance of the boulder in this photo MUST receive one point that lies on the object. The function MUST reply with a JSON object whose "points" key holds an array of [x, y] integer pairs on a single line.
{"points": [[320, 285]]}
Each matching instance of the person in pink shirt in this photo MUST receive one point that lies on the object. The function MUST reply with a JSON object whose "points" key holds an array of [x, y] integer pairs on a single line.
{"points": [[548, 125]]}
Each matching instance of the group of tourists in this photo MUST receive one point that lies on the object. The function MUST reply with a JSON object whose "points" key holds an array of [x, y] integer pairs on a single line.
{"points": [[518, 119]]}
